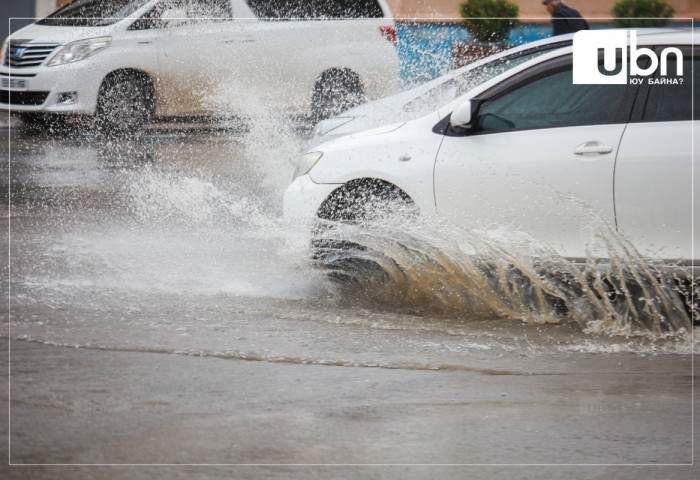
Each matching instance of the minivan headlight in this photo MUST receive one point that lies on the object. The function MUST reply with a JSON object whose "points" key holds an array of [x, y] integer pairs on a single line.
{"points": [[306, 163], [80, 50]]}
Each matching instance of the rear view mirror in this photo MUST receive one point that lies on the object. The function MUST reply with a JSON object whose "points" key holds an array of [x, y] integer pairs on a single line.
{"points": [[462, 116]]}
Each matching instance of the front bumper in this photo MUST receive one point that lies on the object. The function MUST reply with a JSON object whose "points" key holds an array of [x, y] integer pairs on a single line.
{"points": [[303, 198], [68, 89]]}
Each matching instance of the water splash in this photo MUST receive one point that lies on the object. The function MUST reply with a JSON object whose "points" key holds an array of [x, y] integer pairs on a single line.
{"points": [[435, 267], [171, 197]]}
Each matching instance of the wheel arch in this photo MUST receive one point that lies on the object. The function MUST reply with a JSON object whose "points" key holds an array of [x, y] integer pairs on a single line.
{"points": [[344, 202]]}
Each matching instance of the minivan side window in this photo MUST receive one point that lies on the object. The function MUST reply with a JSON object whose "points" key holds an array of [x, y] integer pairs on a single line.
{"points": [[205, 10], [553, 100], [92, 13], [669, 102], [200, 11], [317, 9]]}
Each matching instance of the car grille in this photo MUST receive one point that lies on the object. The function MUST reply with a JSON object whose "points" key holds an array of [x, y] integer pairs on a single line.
{"points": [[24, 54], [23, 98]]}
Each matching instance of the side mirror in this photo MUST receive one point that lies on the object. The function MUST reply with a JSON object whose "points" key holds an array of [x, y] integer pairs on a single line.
{"points": [[462, 116], [172, 17]]}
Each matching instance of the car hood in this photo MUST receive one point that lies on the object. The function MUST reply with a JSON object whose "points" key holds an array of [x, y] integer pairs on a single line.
{"points": [[377, 113], [340, 142]]}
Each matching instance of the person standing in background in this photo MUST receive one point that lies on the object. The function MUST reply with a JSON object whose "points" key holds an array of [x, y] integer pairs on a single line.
{"points": [[564, 19]]}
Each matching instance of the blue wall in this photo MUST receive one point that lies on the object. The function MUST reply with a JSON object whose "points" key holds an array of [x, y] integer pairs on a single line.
{"points": [[425, 51]]}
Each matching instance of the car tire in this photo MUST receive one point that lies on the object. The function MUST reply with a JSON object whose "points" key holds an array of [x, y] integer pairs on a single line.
{"points": [[124, 105], [334, 92]]}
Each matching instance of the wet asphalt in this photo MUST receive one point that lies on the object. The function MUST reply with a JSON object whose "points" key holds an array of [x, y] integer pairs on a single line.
{"points": [[159, 325]]}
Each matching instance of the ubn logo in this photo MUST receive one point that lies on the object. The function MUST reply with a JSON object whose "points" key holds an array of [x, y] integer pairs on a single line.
{"points": [[616, 69]]}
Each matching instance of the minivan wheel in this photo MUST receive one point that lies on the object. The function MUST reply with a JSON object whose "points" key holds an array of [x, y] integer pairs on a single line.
{"points": [[124, 105], [335, 92]]}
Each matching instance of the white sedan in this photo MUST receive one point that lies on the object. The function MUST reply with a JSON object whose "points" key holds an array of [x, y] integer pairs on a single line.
{"points": [[534, 152]]}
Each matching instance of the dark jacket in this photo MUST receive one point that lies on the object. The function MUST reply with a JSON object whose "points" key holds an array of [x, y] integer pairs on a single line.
{"points": [[567, 20]]}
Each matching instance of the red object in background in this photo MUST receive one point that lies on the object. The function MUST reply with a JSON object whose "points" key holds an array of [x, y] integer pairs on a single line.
{"points": [[389, 33]]}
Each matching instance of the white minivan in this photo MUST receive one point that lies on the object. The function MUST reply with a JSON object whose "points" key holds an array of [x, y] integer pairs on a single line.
{"points": [[126, 61]]}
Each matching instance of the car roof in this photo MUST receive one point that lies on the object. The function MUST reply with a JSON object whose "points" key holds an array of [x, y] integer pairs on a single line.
{"points": [[672, 36]]}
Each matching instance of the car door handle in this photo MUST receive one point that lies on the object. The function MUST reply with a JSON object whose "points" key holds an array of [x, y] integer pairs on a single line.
{"points": [[592, 147]]}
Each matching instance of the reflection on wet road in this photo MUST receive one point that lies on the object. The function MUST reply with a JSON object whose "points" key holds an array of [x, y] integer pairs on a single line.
{"points": [[142, 254]]}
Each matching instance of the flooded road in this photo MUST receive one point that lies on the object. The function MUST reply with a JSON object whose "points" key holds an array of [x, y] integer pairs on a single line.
{"points": [[161, 312]]}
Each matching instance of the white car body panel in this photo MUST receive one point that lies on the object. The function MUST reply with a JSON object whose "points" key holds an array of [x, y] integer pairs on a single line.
{"points": [[533, 181], [374, 154], [314, 193], [654, 199]]}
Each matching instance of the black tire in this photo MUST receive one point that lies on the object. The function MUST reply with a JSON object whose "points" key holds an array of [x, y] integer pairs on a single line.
{"points": [[335, 92], [124, 104]]}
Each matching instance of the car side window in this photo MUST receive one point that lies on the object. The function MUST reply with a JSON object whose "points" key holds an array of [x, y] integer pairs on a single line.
{"points": [[553, 100], [490, 70], [209, 10], [673, 101], [195, 12], [318, 9]]}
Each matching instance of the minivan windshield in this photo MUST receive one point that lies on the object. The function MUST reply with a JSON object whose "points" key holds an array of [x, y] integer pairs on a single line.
{"points": [[93, 13]]}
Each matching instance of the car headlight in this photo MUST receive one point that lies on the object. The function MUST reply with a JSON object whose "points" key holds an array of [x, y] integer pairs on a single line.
{"points": [[80, 50], [326, 126], [306, 163]]}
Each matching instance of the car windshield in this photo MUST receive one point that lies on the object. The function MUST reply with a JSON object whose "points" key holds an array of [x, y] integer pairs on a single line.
{"points": [[93, 13], [458, 85]]}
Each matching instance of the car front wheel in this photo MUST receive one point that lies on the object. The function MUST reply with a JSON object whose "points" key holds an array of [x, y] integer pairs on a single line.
{"points": [[124, 105]]}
